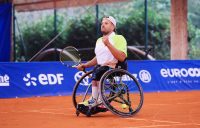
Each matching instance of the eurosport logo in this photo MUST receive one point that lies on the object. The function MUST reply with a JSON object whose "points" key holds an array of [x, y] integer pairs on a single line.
{"points": [[182, 72], [85, 82], [145, 76], [43, 79], [4, 80]]}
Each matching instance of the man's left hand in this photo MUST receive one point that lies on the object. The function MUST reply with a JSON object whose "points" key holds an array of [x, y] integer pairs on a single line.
{"points": [[106, 40]]}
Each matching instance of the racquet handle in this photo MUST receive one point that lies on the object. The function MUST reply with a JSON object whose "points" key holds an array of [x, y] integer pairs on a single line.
{"points": [[84, 70]]}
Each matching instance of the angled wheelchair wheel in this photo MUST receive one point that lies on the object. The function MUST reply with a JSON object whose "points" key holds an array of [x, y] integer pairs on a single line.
{"points": [[81, 92], [121, 93]]}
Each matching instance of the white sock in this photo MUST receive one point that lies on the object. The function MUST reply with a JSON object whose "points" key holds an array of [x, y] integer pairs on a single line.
{"points": [[98, 85], [95, 92]]}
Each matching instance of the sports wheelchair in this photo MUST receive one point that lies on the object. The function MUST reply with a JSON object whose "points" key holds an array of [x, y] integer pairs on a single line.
{"points": [[120, 93]]}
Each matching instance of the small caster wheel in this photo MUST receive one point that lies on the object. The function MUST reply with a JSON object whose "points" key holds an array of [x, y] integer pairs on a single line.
{"points": [[88, 114], [77, 113]]}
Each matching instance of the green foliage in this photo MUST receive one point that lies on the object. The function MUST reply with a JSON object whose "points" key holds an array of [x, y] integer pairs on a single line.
{"points": [[82, 32], [194, 28], [194, 41], [38, 35], [194, 12], [134, 31]]}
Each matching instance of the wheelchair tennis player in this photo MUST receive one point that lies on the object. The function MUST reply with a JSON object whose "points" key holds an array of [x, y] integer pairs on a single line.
{"points": [[111, 52]]}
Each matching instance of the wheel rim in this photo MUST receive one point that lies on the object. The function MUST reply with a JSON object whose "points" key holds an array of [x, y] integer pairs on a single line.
{"points": [[121, 93]]}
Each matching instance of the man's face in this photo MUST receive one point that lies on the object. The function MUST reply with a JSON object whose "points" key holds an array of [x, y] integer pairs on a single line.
{"points": [[106, 26]]}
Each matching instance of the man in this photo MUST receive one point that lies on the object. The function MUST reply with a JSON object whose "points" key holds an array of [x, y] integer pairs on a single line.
{"points": [[110, 50]]}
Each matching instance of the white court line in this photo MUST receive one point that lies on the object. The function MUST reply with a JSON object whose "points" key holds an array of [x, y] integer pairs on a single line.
{"points": [[57, 109], [4, 112], [175, 103], [190, 103], [54, 113], [40, 110], [164, 125], [164, 121], [37, 111]]}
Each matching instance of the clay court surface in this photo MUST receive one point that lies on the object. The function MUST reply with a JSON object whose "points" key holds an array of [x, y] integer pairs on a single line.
{"points": [[160, 110]]}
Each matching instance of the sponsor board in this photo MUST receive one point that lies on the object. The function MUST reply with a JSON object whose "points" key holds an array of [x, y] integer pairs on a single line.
{"points": [[144, 75], [52, 78], [43, 79], [180, 76], [4, 80]]}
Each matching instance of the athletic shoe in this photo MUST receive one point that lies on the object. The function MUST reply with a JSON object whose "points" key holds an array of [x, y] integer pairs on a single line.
{"points": [[90, 102]]}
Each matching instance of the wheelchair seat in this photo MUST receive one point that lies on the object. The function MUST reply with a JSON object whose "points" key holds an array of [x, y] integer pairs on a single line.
{"points": [[122, 65]]}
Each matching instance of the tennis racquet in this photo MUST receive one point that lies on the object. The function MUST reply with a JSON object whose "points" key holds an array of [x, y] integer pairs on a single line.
{"points": [[70, 57]]}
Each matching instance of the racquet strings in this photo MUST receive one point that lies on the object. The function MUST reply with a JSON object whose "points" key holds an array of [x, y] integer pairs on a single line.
{"points": [[70, 57]]}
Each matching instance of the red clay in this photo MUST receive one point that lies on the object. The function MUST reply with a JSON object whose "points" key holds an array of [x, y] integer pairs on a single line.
{"points": [[160, 110]]}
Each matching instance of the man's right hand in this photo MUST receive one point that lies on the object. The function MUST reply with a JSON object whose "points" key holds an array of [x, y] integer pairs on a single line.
{"points": [[80, 67]]}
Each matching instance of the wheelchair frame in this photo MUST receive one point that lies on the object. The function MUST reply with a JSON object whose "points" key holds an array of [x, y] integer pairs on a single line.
{"points": [[115, 94]]}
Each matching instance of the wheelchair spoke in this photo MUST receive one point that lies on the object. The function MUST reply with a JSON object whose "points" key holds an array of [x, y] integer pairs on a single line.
{"points": [[112, 82], [125, 101], [118, 101], [113, 97], [113, 91], [83, 99], [120, 79]]}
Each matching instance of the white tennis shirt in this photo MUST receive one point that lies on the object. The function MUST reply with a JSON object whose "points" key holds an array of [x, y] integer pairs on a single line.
{"points": [[103, 54]]}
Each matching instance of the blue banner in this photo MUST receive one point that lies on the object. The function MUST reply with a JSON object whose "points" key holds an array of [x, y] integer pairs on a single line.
{"points": [[167, 75], [52, 78], [5, 31]]}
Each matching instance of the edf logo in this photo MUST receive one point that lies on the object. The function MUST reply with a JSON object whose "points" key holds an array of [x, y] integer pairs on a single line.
{"points": [[145, 76], [43, 79]]}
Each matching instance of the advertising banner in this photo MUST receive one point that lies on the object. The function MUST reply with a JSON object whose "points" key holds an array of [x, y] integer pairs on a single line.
{"points": [[52, 78], [167, 75], [5, 31]]}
